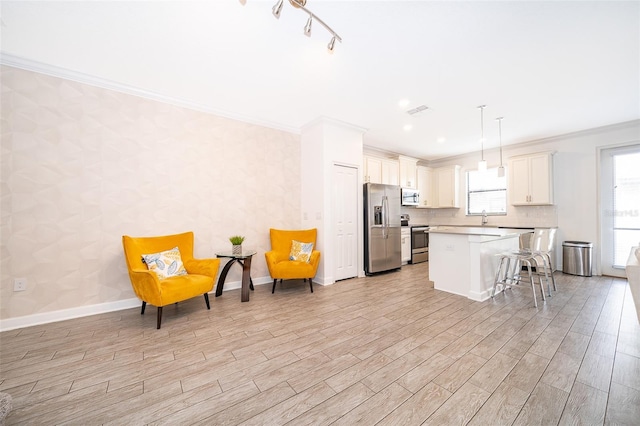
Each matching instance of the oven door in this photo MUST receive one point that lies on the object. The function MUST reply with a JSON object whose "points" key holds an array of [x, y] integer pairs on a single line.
{"points": [[419, 244]]}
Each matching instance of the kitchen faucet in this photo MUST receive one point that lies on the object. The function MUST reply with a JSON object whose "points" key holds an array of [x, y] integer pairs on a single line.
{"points": [[485, 219]]}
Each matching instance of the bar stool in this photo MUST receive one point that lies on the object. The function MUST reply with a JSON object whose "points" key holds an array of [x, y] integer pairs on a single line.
{"points": [[541, 245], [509, 271]]}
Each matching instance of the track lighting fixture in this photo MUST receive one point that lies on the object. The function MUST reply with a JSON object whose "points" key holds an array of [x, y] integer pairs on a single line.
{"points": [[301, 4], [482, 164]]}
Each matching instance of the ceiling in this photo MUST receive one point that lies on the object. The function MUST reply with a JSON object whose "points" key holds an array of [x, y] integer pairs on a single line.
{"points": [[549, 68]]}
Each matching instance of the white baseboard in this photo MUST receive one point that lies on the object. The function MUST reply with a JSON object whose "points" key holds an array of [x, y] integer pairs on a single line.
{"points": [[100, 308]]}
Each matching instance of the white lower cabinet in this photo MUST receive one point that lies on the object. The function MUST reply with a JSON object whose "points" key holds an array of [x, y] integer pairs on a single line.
{"points": [[406, 244]]}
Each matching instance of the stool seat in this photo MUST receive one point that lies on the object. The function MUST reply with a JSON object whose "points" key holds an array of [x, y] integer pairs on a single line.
{"points": [[509, 271]]}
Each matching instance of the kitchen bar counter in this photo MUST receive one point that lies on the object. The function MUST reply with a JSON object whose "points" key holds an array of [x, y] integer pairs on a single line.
{"points": [[477, 230], [462, 260]]}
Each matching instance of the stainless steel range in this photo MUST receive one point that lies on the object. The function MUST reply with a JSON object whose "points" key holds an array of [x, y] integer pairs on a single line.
{"points": [[419, 244]]}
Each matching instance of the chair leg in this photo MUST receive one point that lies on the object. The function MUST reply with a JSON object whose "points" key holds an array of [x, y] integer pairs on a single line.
{"points": [[144, 305], [206, 299], [535, 261], [311, 285], [533, 286], [497, 279], [553, 280], [274, 286], [159, 316]]}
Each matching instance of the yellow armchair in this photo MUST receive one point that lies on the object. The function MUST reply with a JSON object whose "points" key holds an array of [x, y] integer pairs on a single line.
{"points": [[280, 267], [200, 278]]}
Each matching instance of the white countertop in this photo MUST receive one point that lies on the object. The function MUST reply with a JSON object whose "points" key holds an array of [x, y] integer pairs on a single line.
{"points": [[478, 230]]}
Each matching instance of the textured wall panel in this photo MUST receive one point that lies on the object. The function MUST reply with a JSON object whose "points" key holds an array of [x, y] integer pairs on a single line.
{"points": [[82, 166]]}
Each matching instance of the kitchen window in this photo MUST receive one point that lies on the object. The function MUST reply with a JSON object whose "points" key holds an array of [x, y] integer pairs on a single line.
{"points": [[486, 192]]}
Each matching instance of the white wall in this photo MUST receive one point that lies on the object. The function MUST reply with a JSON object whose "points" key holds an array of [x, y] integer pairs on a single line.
{"points": [[326, 142], [82, 166]]}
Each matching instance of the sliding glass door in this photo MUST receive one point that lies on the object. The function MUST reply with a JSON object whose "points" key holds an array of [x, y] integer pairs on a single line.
{"points": [[620, 190]]}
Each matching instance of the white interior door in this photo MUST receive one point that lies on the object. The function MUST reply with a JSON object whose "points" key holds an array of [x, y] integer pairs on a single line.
{"points": [[345, 202]]}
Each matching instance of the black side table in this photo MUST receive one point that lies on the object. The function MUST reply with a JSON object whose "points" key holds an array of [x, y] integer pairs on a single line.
{"points": [[244, 259]]}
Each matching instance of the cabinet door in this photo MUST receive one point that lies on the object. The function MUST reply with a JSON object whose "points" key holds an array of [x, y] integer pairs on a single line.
{"points": [[531, 180], [519, 181], [390, 172], [425, 186], [406, 245], [448, 187], [408, 168], [540, 179], [373, 169]]}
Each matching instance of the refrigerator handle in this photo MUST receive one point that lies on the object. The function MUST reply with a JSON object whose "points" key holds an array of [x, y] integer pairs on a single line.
{"points": [[385, 220]]}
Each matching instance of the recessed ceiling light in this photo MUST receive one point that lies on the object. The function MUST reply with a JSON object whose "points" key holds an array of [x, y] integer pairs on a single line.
{"points": [[407, 127], [441, 140], [403, 103]]}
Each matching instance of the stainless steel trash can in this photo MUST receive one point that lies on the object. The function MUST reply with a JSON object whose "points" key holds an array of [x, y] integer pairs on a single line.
{"points": [[576, 258]]}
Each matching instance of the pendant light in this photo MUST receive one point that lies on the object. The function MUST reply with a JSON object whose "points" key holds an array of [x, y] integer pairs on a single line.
{"points": [[501, 168], [482, 164]]}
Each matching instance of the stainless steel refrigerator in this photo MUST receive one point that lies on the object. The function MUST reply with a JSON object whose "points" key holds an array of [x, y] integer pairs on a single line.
{"points": [[382, 232]]}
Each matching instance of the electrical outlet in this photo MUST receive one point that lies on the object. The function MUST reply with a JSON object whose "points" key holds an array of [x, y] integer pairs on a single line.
{"points": [[449, 247], [19, 284]]}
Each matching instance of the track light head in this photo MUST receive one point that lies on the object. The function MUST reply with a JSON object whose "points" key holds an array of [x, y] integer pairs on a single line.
{"points": [[277, 8], [331, 44], [307, 28]]}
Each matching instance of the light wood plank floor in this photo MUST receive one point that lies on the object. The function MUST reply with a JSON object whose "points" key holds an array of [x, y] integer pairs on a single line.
{"points": [[386, 350]]}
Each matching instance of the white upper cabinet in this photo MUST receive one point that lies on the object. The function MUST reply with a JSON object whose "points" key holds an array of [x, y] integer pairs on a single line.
{"points": [[424, 179], [447, 187], [390, 172], [372, 169], [531, 179], [381, 170], [408, 169]]}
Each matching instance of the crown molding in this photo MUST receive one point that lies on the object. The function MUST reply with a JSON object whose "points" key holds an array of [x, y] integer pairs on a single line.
{"points": [[333, 122], [534, 142], [54, 71]]}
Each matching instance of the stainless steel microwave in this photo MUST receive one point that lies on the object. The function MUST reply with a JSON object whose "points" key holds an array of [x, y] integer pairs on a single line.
{"points": [[410, 197]]}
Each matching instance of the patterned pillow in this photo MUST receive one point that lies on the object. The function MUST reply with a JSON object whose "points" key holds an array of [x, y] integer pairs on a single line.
{"points": [[300, 251], [165, 264]]}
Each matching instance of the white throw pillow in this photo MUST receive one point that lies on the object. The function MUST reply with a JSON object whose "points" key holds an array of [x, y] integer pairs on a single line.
{"points": [[165, 264], [300, 251]]}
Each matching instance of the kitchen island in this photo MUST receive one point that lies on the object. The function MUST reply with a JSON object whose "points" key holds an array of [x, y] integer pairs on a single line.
{"points": [[462, 260]]}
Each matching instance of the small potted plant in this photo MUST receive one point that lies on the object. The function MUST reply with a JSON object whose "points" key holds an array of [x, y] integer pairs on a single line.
{"points": [[236, 242]]}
